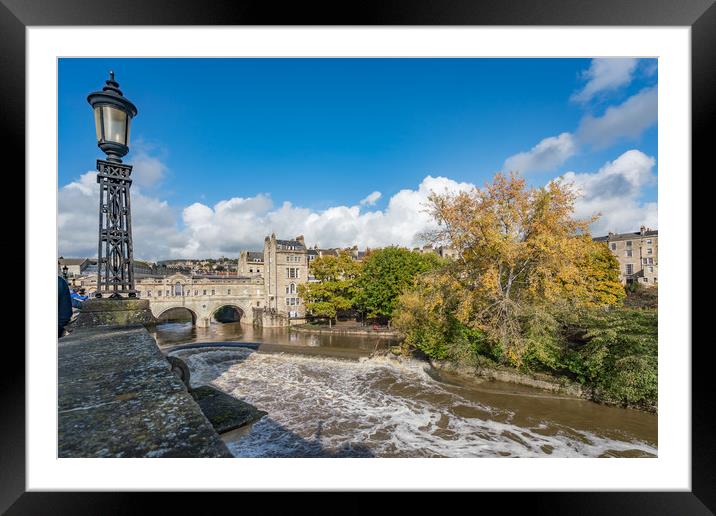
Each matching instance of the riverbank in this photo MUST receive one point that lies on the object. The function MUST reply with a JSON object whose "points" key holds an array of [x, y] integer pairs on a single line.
{"points": [[367, 331], [556, 384]]}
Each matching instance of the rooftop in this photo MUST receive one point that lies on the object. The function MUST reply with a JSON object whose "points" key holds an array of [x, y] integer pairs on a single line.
{"points": [[254, 256], [626, 236], [72, 261], [291, 243]]}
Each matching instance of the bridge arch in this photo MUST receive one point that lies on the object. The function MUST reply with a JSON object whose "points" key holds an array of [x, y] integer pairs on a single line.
{"points": [[177, 309], [239, 312]]}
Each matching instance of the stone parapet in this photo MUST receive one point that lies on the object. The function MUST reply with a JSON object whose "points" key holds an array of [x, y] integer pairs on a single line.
{"points": [[117, 397], [99, 312]]}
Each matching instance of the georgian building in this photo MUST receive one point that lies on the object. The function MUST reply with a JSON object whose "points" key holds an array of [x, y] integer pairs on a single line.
{"points": [[251, 263], [285, 268], [637, 254]]}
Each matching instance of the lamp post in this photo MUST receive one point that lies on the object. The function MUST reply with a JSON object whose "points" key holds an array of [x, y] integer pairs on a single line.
{"points": [[113, 114], [64, 271]]}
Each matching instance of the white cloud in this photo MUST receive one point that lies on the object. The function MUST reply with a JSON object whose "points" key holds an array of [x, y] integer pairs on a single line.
{"points": [[147, 170], [154, 227], [615, 191], [604, 75], [242, 223], [625, 121], [545, 156], [371, 199]]}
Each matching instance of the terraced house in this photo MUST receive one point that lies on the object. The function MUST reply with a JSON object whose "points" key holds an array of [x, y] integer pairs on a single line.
{"points": [[637, 253]]}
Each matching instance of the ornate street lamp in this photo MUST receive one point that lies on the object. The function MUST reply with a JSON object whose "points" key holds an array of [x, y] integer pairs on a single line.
{"points": [[112, 115]]}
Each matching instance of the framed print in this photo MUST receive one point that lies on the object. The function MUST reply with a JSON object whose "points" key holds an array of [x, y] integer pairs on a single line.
{"points": [[411, 250]]}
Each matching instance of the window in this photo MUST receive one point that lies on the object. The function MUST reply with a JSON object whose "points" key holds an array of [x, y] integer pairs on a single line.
{"points": [[159, 293], [651, 269], [213, 291], [228, 292], [167, 293], [649, 251], [149, 293], [629, 269], [651, 261], [251, 270], [648, 242], [292, 272], [614, 247], [196, 292], [628, 243], [629, 252], [204, 292], [646, 280]]}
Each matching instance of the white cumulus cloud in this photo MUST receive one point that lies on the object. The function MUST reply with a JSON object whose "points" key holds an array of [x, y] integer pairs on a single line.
{"points": [[615, 192], [242, 223], [624, 121], [545, 156], [147, 170], [154, 227], [604, 75], [371, 199]]}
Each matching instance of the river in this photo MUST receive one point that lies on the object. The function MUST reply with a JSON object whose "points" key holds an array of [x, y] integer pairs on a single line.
{"points": [[326, 397]]}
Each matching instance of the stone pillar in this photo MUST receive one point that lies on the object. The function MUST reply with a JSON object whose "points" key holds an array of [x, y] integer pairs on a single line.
{"points": [[114, 312], [202, 322]]}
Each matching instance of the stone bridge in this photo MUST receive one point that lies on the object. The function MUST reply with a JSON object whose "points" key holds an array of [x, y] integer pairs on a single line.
{"points": [[203, 308], [203, 296]]}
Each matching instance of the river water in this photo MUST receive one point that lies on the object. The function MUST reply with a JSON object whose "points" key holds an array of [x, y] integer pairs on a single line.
{"points": [[326, 397]]}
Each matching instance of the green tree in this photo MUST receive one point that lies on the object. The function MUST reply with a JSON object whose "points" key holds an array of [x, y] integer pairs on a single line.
{"points": [[335, 289], [616, 352], [386, 274]]}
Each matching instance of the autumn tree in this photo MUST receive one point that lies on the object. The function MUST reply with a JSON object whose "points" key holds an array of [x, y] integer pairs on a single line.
{"points": [[521, 252], [335, 289], [600, 283], [386, 273]]}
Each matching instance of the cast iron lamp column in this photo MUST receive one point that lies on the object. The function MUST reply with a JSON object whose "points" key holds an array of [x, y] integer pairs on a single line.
{"points": [[115, 262]]}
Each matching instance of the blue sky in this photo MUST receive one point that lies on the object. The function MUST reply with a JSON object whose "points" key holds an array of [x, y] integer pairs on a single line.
{"points": [[220, 146]]}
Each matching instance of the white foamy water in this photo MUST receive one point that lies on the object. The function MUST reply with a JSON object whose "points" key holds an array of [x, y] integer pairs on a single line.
{"points": [[319, 407]]}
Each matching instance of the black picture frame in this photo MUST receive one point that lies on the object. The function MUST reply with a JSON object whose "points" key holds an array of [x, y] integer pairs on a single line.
{"points": [[700, 15]]}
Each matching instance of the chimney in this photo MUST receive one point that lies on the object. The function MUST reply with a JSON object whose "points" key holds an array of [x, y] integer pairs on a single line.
{"points": [[299, 239], [642, 230]]}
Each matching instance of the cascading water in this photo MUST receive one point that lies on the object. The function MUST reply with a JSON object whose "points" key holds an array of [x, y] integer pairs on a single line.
{"points": [[325, 407]]}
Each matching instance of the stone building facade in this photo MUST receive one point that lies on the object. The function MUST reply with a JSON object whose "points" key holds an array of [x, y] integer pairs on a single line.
{"points": [[285, 268], [637, 254], [251, 263]]}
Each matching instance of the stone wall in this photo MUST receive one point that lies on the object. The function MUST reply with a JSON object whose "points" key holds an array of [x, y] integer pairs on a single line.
{"points": [[117, 397]]}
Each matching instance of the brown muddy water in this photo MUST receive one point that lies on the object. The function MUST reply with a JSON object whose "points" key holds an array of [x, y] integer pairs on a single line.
{"points": [[326, 397]]}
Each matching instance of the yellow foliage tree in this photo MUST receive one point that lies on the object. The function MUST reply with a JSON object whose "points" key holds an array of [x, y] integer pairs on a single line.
{"points": [[521, 251]]}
